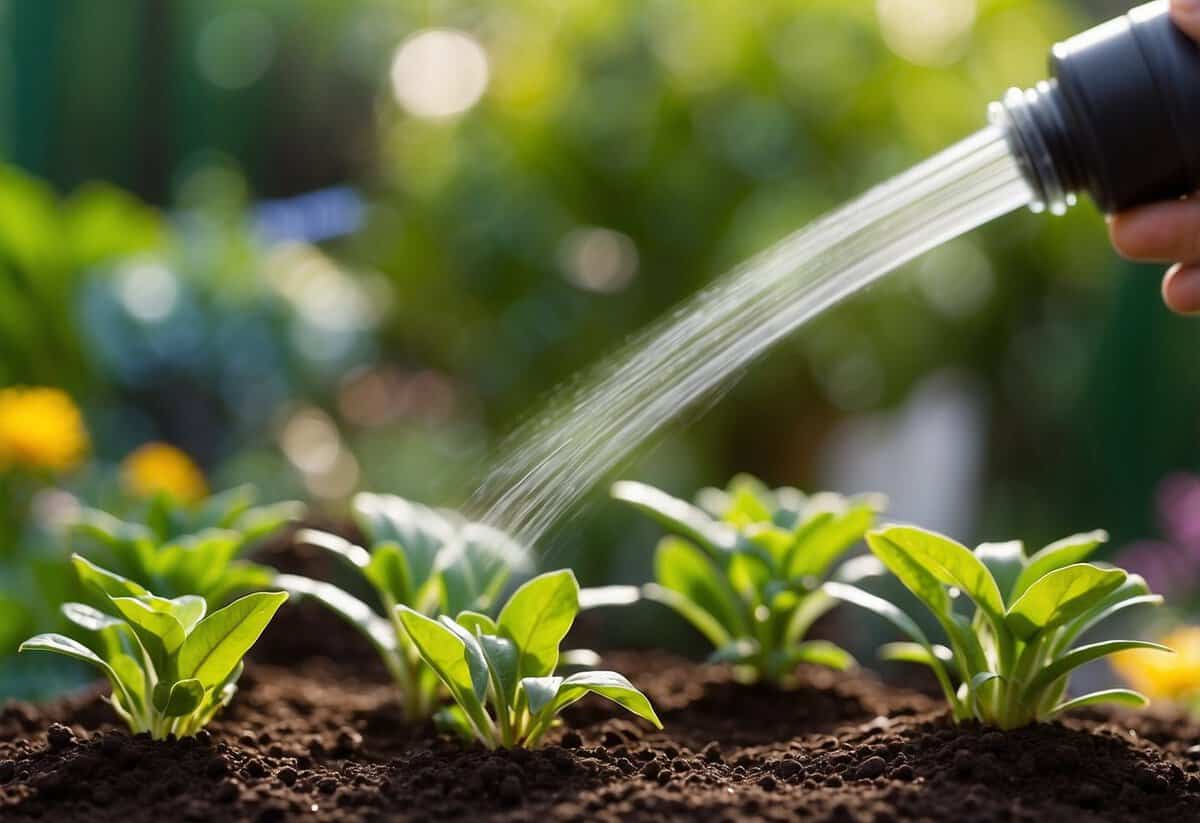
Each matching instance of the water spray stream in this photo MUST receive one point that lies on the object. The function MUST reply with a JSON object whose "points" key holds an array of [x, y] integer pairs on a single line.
{"points": [[553, 460]]}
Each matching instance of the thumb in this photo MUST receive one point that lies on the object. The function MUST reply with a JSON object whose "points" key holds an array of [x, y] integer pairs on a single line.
{"points": [[1186, 14]]}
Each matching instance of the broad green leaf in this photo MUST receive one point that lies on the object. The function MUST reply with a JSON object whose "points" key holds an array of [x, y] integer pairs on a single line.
{"points": [[1123, 697], [356, 555], [811, 607], [263, 521], [59, 644], [679, 516], [188, 609], [1061, 596], [221, 640], [475, 565], [683, 568], [1133, 592], [911, 572], [348, 607], [952, 563], [1077, 657], [537, 618], [609, 685], [1005, 561], [446, 653], [703, 622], [540, 692], [821, 653], [88, 618], [1065, 552], [419, 530], [160, 634], [106, 582], [503, 662], [185, 697], [476, 661], [477, 623], [814, 552], [749, 502], [904, 652], [388, 572]]}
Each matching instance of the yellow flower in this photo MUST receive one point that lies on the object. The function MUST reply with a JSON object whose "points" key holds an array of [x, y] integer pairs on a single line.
{"points": [[40, 429], [159, 468], [1158, 674]]}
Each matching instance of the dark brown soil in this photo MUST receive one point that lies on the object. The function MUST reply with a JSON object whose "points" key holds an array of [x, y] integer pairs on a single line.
{"points": [[318, 741]]}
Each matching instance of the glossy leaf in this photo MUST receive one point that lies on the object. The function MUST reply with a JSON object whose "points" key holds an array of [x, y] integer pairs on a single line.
{"points": [[221, 640], [1065, 552], [537, 617], [1060, 596], [678, 515]]}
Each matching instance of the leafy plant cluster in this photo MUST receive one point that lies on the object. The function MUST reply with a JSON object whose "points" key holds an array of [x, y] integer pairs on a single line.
{"points": [[176, 549], [418, 558], [745, 567], [508, 664], [172, 665], [1011, 658]]}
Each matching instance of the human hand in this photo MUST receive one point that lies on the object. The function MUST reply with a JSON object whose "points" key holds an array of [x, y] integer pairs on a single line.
{"points": [[1165, 232]]}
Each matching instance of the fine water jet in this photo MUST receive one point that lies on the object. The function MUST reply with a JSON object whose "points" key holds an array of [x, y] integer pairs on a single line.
{"points": [[1117, 120]]}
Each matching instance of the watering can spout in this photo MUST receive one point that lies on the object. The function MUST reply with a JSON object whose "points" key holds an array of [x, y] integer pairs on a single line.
{"points": [[1119, 120]]}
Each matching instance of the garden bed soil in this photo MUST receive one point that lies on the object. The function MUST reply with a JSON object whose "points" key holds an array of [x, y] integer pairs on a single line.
{"points": [[323, 741]]}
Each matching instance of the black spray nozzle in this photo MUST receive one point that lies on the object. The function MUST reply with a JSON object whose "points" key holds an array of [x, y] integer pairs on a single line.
{"points": [[1120, 120]]}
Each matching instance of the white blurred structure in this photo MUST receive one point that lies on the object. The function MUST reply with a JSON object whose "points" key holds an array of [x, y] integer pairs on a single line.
{"points": [[927, 456]]}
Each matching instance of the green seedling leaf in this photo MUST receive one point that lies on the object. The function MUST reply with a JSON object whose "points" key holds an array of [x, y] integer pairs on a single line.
{"points": [[540, 692], [820, 652], [704, 622], [715, 537], [352, 553], [221, 640], [476, 661], [503, 663], [419, 530], [443, 650], [537, 618], [1078, 657], [59, 644], [346, 606], [1060, 596], [1005, 562], [609, 685], [912, 573], [683, 568], [88, 618], [950, 562], [388, 572], [815, 549], [160, 634], [915, 653], [446, 654], [1123, 697], [104, 581], [477, 623], [1065, 552], [475, 566]]}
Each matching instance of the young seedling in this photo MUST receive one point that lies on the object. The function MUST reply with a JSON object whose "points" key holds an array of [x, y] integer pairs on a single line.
{"points": [[746, 567], [419, 558], [1013, 657], [508, 664], [177, 549], [171, 667]]}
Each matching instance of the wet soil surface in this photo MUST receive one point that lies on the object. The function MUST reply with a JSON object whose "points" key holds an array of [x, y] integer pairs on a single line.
{"points": [[324, 741]]}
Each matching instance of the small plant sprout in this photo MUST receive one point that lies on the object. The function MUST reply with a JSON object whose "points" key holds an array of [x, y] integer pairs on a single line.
{"points": [[177, 549], [745, 567], [508, 664], [420, 558], [1012, 658], [171, 667]]}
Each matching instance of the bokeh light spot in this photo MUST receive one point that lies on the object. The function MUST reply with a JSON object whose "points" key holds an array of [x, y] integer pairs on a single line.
{"points": [[599, 260], [927, 32], [439, 73], [235, 49]]}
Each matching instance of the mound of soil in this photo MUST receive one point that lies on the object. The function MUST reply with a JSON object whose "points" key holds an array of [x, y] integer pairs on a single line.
{"points": [[323, 741]]}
